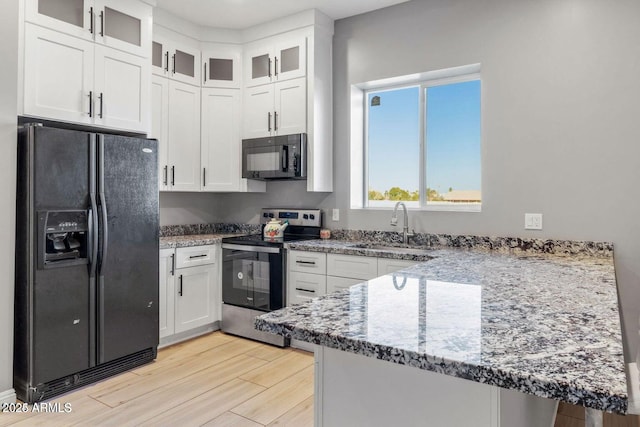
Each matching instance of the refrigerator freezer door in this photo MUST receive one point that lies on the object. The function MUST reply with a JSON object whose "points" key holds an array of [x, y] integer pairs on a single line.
{"points": [[128, 272], [60, 298]]}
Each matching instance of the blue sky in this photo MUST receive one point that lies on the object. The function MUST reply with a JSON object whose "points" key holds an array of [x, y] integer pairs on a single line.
{"points": [[453, 138]]}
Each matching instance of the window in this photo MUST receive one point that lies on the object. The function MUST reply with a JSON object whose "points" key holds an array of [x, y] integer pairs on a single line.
{"points": [[422, 144]]}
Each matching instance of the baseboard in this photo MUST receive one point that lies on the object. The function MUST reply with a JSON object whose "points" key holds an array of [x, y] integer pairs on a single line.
{"points": [[8, 396], [187, 335]]}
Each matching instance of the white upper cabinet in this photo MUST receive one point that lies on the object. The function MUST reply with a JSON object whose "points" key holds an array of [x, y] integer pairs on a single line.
{"points": [[184, 137], [176, 60], [221, 66], [257, 114], [220, 139], [88, 62], [221, 145], [290, 107], [275, 109], [120, 24], [160, 127], [58, 76], [122, 92], [275, 59]]}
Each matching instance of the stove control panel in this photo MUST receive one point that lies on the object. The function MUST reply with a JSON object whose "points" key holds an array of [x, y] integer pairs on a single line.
{"points": [[301, 217]]}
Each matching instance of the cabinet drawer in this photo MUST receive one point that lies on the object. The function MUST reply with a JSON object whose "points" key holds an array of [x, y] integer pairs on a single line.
{"points": [[195, 255], [339, 283], [305, 286], [310, 262], [352, 266], [388, 265]]}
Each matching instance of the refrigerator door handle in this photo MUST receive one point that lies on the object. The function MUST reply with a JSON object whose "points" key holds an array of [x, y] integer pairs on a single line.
{"points": [[93, 210], [102, 201], [92, 237]]}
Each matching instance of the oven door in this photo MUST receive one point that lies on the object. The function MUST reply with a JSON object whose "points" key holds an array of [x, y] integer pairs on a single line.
{"points": [[253, 276]]}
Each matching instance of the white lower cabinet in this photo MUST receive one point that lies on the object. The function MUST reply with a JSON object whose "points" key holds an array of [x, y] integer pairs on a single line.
{"points": [[195, 302], [305, 286], [352, 266], [313, 274], [190, 296]]}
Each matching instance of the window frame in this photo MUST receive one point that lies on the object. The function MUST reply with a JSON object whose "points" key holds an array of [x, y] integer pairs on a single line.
{"points": [[423, 82]]}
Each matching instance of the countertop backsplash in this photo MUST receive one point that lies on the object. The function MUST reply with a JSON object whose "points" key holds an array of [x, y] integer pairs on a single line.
{"points": [[194, 229], [501, 244]]}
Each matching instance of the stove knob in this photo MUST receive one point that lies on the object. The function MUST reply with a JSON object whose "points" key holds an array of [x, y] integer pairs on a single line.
{"points": [[312, 216], [305, 216], [270, 215], [265, 215]]}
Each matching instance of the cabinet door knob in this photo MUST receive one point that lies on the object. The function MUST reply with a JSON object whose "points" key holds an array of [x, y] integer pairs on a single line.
{"points": [[90, 103], [180, 290], [205, 72], [269, 121], [101, 23], [204, 177], [275, 68]]}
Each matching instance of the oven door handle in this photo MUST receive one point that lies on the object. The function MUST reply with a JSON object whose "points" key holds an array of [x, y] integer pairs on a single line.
{"points": [[247, 248]]}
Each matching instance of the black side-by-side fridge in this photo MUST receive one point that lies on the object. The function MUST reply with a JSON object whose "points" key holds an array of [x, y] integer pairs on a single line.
{"points": [[87, 231]]}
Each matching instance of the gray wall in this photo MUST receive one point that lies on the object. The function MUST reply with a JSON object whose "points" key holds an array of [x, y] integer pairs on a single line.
{"points": [[8, 137], [561, 119]]}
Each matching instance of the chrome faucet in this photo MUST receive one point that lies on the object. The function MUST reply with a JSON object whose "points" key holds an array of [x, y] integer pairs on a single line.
{"points": [[405, 229]]}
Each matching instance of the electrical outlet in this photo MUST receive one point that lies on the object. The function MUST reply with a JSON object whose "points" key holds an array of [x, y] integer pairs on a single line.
{"points": [[335, 214], [532, 221]]}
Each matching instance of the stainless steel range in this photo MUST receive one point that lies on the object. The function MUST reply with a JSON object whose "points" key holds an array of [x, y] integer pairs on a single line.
{"points": [[254, 272]]}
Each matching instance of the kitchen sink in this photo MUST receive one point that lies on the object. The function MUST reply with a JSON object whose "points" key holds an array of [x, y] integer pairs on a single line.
{"points": [[402, 249]]}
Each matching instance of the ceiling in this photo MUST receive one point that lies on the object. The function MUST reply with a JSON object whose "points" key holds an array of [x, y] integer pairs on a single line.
{"points": [[241, 14]]}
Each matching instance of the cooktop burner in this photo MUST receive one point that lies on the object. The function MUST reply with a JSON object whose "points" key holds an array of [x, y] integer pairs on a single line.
{"points": [[304, 224]]}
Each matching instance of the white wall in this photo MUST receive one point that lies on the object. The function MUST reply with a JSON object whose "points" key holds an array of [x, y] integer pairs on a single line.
{"points": [[187, 208], [561, 119], [8, 137]]}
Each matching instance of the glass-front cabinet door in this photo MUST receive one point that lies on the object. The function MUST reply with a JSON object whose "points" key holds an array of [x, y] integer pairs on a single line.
{"points": [[124, 25], [281, 58], [221, 66], [74, 17], [159, 56], [290, 59], [121, 24]]}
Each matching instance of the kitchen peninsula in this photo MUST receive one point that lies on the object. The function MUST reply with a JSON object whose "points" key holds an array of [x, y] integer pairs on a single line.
{"points": [[512, 329]]}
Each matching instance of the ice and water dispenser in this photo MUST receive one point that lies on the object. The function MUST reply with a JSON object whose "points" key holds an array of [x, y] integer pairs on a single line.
{"points": [[63, 238]]}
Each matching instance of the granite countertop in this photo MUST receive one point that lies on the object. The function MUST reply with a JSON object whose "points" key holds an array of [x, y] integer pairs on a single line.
{"points": [[168, 242], [543, 324]]}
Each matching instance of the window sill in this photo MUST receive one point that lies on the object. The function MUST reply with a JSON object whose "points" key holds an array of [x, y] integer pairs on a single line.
{"points": [[461, 207]]}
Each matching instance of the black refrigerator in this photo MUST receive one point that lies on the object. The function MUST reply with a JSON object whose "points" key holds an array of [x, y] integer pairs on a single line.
{"points": [[87, 236]]}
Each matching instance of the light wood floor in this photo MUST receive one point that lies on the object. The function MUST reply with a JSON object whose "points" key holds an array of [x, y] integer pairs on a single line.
{"points": [[216, 380]]}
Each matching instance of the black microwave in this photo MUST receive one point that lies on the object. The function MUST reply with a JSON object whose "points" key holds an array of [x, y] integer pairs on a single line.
{"points": [[275, 157]]}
